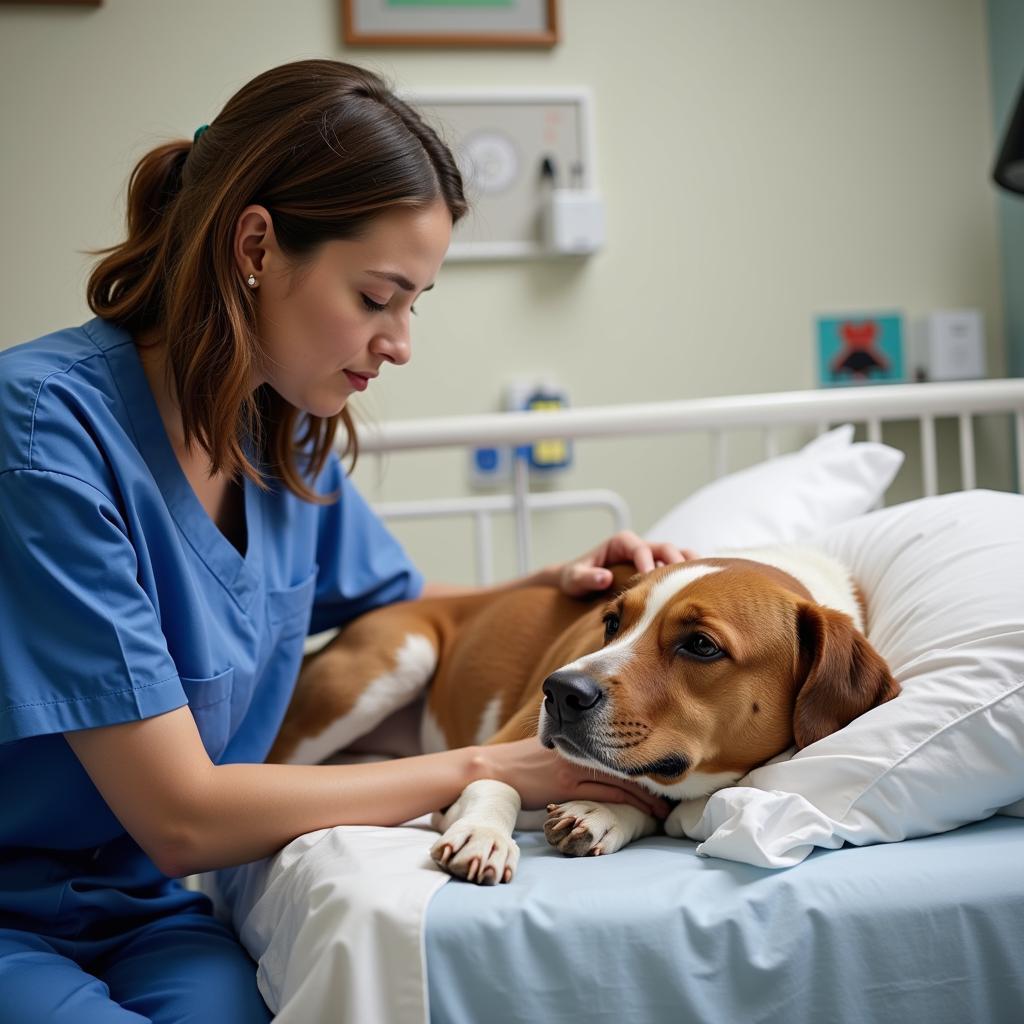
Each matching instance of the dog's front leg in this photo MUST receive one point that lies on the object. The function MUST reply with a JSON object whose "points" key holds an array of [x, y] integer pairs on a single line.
{"points": [[580, 828], [477, 844]]}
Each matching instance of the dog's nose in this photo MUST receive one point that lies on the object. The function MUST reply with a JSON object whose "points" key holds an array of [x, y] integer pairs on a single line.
{"points": [[572, 693]]}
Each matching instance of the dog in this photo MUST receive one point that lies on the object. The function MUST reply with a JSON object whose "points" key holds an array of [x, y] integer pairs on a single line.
{"points": [[682, 679]]}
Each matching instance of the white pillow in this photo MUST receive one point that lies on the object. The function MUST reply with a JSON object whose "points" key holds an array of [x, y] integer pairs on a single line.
{"points": [[944, 582], [788, 498]]}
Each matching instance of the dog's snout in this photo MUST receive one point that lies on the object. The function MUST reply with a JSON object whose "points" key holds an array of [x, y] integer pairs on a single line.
{"points": [[573, 694]]}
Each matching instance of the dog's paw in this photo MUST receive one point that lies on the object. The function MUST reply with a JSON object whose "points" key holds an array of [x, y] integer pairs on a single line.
{"points": [[477, 853], [582, 828]]}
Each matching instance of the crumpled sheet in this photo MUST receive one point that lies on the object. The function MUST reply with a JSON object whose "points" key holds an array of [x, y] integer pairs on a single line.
{"points": [[335, 921]]}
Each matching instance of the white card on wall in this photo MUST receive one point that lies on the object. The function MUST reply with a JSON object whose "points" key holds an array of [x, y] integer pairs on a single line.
{"points": [[500, 140]]}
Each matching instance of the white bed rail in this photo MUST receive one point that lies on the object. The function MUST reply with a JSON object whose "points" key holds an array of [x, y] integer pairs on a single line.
{"points": [[520, 504], [871, 405]]}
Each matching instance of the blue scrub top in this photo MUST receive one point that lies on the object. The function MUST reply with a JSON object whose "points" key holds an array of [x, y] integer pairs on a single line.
{"points": [[121, 599]]}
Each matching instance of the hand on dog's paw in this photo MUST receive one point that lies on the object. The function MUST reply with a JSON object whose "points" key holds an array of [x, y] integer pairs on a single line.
{"points": [[477, 853], [583, 828]]}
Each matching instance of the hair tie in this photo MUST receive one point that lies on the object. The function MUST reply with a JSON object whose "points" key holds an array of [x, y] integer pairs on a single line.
{"points": [[199, 131]]}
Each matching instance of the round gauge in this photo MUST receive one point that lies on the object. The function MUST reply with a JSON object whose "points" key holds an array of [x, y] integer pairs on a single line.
{"points": [[492, 162]]}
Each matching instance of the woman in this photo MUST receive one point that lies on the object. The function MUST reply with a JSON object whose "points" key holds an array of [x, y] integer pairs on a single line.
{"points": [[173, 522]]}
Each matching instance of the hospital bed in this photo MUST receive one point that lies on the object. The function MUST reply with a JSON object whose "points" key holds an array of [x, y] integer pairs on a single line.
{"points": [[929, 929]]}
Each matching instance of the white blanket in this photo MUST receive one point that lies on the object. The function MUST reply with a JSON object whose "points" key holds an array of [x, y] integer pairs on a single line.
{"points": [[335, 922]]}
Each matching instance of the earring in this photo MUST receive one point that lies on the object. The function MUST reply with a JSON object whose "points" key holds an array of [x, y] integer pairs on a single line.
{"points": [[251, 281]]}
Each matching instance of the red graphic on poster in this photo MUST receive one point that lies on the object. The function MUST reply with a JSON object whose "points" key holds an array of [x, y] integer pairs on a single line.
{"points": [[858, 356]]}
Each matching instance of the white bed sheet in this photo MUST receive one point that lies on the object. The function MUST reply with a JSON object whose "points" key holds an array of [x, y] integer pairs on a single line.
{"points": [[335, 923]]}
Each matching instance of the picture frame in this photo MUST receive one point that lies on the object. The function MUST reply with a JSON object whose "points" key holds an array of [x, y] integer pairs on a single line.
{"points": [[440, 23], [862, 348]]}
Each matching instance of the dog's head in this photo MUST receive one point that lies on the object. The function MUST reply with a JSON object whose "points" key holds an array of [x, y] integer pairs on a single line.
{"points": [[709, 668]]}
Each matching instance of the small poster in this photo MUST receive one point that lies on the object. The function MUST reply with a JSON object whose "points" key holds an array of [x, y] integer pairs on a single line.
{"points": [[860, 349]]}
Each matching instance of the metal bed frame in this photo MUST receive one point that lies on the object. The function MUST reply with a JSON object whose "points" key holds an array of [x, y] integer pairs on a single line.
{"points": [[871, 405]]}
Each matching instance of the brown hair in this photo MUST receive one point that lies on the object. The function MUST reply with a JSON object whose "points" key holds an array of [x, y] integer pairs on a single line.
{"points": [[325, 147]]}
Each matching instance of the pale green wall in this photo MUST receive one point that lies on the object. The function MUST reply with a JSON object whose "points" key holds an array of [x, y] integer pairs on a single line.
{"points": [[762, 161]]}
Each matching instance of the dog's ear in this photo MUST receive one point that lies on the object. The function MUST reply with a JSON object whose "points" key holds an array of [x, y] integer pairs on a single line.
{"points": [[840, 676]]}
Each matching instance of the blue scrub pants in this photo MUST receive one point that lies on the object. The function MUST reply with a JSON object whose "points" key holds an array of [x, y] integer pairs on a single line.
{"points": [[184, 967]]}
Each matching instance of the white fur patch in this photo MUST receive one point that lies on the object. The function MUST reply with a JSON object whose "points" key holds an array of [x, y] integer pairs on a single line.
{"points": [[827, 579], [415, 662], [489, 721], [695, 784], [610, 659], [432, 738]]}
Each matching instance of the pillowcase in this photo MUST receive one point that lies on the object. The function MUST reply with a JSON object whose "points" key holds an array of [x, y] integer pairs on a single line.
{"points": [[788, 498], [942, 580]]}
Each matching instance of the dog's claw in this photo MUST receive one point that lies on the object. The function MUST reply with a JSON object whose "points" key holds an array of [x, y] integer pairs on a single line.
{"points": [[583, 829], [476, 853]]}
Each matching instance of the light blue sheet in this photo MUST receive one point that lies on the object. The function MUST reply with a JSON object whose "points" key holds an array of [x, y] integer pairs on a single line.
{"points": [[929, 930]]}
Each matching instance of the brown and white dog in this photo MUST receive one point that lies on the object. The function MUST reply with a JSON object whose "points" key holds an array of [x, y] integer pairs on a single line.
{"points": [[683, 679]]}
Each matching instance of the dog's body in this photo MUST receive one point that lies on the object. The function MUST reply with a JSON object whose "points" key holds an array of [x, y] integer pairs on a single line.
{"points": [[683, 680]]}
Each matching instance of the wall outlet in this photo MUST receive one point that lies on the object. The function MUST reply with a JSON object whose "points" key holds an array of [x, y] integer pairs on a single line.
{"points": [[491, 467]]}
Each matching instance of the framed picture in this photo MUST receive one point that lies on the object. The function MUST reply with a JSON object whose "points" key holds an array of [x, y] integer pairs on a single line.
{"points": [[860, 349], [449, 22]]}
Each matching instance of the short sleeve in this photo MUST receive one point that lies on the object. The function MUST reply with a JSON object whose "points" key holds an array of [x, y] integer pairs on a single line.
{"points": [[361, 564], [81, 643]]}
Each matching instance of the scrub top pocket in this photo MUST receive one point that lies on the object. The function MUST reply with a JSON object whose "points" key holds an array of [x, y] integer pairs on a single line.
{"points": [[209, 700], [289, 610]]}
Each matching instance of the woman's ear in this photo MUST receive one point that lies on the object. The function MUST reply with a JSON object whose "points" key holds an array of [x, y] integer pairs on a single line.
{"points": [[841, 674], [254, 235]]}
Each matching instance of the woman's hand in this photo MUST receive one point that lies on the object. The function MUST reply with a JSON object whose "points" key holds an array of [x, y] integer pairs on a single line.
{"points": [[543, 777], [589, 572]]}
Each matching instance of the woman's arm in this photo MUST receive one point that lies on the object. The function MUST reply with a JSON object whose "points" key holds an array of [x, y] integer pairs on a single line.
{"points": [[191, 815]]}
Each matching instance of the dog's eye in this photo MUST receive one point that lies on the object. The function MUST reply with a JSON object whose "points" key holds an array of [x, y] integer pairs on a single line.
{"points": [[701, 646], [611, 625]]}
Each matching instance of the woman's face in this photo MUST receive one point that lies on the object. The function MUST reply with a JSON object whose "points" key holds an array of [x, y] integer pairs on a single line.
{"points": [[327, 330]]}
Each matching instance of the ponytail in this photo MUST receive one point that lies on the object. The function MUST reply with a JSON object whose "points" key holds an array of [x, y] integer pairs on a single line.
{"points": [[126, 287]]}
